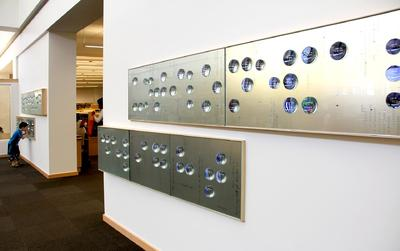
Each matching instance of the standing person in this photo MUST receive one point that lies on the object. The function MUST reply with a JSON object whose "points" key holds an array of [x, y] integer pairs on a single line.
{"points": [[98, 117], [13, 148]]}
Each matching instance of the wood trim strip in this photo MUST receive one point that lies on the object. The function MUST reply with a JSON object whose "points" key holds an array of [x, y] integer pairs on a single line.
{"points": [[46, 175], [128, 234]]}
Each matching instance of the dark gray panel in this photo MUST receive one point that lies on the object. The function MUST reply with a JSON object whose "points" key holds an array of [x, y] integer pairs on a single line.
{"points": [[114, 151], [194, 88], [151, 165]]}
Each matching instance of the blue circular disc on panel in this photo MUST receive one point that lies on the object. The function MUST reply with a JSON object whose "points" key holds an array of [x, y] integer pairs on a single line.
{"points": [[338, 50], [393, 73], [290, 105], [290, 81], [393, 100], [309, 54], [289, 58], [309, 105], [393, 46], [247, 85], [274, 82]]}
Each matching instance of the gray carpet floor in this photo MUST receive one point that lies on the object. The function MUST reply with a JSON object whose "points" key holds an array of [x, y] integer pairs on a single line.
{"points": [[58, 214]]}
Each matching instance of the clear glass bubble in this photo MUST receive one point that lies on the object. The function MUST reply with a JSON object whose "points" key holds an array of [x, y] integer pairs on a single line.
{"points": [[118, 153], [233, 66], [163, 149], [156, 162], [125, 155], [108, 140], [125, 167], [393, 100], [135, 81], [247, 85], [146, 105], [163, 164], [180, 151], [290, 105], [393, 73], [157, 92], [172, 90], [338, 50], [134, 107], [290, 81], [189, 104], [189, 75], [393, 46], [309, 105], [113, 140], [155, 147], [217, 87], [125, 142], [146, 81], [234, 105], [181, 74], [206, 106], [163, 77], [107, 150], [180, 167], [220, 159], [274, 82], [144, 145], [151, 93], [206, 70], [189, 169], [220, 177], [309, 54], [163, 91], [247, 63], [156, 107], [209, 191], [102, 139], [208, 174], [151, 80], [141, 107], [289, 58], [138, 157], [260, 64], [189, 89]]}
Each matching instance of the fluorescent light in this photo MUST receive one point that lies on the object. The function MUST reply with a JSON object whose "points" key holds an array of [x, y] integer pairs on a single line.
{"points": [[87, 86], [93, 46]]}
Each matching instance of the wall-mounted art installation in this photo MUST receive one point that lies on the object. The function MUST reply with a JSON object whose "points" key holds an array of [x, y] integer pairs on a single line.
{"points": [[338, 79], [34, 102], [31, 125], [205, 171], [187, 90]]}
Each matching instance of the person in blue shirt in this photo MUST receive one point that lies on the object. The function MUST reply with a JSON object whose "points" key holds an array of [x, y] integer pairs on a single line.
{"points": [[13, 148]]}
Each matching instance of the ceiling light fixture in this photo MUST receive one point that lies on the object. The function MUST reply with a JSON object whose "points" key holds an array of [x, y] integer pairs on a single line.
{"points": [[94, 46]]}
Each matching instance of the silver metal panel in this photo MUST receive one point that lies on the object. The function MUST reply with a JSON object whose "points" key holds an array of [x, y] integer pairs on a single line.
{"points": [[151, 165], [214, 182], [113, 149], [174, 108], [31, 125], [351, 92], [34, 102]]}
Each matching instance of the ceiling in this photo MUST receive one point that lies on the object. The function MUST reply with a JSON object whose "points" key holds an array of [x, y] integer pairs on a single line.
{"points": [[89, 62]]}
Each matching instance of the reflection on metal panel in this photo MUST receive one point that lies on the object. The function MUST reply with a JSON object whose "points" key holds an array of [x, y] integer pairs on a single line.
{"points": [[345, 80], [34, 102], [188, 90], [31, 125], [114, 151]]}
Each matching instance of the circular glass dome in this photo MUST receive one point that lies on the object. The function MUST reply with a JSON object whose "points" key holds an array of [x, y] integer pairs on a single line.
{"points": [[220, 177], [125, 167], [118, 153], [208, 174], [209, 191], [247, 85], [125, 155], [146, 81], [206, 70], [163, 91], [247, 64], [163, 77], [151, 80], [181, 74], [180, 167], [289, 58], [180, 151], [163, 149], [393, 73], [151, 93], [156, 162], [138, 157], [125, 142], [107, 150], [102, 139], [156, 107], [144, 145], [134, 107], [393, 46], [189, 104], [172, 90], [274, 82], [108, 140], [290, 81], [189, 75], [290, 105], [233, 66], [393, 100], [189, 89], [113, 140], [220, 159], [157, 92], [189, 169], [155, 147], [234, 105], [260, 64], [135, 81], [309, 54], [309, 105], [141, 107], [206, 106], [217, 87], [338, 50], [163, 164]]}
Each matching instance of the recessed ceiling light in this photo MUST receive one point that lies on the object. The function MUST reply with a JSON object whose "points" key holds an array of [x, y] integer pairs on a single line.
{"points": [[94, 46]]}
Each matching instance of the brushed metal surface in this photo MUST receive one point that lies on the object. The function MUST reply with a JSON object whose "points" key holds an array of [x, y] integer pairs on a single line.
{"points": [[34, 102], [147, 160], [175, 109], [113, 149], [351, 92], [31, 125]]}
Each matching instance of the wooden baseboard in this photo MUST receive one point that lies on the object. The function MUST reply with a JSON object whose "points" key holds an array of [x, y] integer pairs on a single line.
{"points": [[128, 234], [49, 176], [3, 156]]}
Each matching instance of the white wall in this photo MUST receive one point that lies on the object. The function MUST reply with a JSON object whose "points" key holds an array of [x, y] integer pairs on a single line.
{"points": [[88, 95], [25, 7], [8, 17], [14, 109], [33, 73], [331, 193], [61, 96]]}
